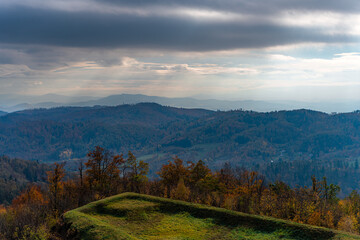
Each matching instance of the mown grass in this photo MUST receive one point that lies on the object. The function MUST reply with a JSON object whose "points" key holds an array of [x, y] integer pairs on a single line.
{"points": [[136, 216]]}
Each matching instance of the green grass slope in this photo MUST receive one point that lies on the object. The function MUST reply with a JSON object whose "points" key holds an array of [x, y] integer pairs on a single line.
{"points": [[136, 216]]}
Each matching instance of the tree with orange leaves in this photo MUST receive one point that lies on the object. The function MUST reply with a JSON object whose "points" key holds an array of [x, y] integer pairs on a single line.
{"points": [[136, 173], [56, 187], [31, 196], [103, 171], [172, 172], [249, 190], [27, 211]]}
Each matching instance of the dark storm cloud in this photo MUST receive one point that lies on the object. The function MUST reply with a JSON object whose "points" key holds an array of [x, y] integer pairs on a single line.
{"points": [[26, 25]]}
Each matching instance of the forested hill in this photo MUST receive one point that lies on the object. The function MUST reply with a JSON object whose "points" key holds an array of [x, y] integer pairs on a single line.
{"points": [[142, 113], [156, 133], [2, 113], [17, 174], [44, 134], [148, 128]]}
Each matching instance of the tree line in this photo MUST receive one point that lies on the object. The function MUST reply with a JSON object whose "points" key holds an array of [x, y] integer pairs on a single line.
{"points": [[36, 212]]}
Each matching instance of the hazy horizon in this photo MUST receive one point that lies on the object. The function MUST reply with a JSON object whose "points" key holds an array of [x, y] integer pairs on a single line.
{"points": [[197, 97], [13, 103]]}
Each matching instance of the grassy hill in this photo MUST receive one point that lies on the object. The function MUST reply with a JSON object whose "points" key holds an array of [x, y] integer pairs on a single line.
{"points": [[136, 216]]}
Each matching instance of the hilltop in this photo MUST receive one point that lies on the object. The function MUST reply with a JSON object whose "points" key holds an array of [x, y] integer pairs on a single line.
{"points": [[135, 216]]}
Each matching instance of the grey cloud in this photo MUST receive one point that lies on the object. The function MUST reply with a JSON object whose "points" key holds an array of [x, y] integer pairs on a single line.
{"points": [[246, 6], [38, 57], [22, 25]]}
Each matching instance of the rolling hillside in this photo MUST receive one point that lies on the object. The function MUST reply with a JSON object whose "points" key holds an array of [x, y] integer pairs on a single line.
{"points": [[148, 128], [17, 174], [274, 143], [135, 216], [43, 134]]}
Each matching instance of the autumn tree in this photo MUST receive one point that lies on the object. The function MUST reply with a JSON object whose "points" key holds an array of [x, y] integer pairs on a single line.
{"points": [[137, 171], [31, 196], [198, 172], [329, 192], [349, 224], [227, 177], [353, 203], [81, 187], [103, 171], [26, 215], [250, 189], [171, 173], [350, 208], [56, 186], [202, 182], [181, 192], [277, 200]]}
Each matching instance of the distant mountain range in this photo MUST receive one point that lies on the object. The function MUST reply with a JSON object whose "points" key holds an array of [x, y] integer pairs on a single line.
{"points": [[15, 99], [12, 103], [275, 143], [2, 113]]}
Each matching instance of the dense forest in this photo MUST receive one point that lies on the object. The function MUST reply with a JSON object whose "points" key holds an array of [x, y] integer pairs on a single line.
{"points": [[36, 212], [46, 134], [299, 172], [275, 143], [17, 174]]}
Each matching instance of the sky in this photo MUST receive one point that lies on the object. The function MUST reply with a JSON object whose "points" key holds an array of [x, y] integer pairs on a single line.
{"points": [[306, 50]]}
